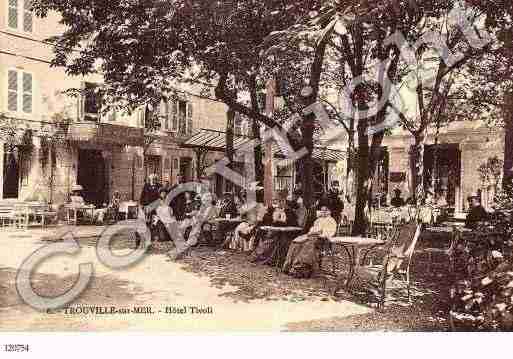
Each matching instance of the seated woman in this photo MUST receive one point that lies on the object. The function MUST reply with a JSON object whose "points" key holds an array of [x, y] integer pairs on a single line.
{"points": [[268, 241], [303, 257], [162, 219], [244, 237]]}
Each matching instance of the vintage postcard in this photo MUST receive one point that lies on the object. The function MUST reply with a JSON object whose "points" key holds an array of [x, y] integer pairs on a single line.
{"points": [[255, 166]]}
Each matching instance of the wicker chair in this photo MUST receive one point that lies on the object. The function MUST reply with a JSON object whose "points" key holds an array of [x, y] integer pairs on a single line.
{"points": [[397, 261]]}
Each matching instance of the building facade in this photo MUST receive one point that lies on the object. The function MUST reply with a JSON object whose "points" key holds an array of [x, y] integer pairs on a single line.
{"points": [[50, 141]]}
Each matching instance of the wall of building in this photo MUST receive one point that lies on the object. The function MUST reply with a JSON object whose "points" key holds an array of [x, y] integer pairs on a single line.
{"points": [[28, 52]]}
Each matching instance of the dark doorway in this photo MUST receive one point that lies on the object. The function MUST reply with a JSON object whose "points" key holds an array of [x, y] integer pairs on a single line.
{"points": [[11, 173], [442, 168], [91, 175]]}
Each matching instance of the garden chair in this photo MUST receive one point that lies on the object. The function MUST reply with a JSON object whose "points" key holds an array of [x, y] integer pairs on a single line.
{"points": [[7, 214], [396, 262], [447, 252]]}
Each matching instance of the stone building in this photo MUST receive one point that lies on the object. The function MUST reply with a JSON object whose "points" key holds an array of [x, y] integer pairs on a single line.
{"points": [[50, 141], [452, 166]]}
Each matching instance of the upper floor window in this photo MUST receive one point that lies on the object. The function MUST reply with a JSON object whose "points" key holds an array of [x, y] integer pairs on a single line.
{"points": [[240, 125], [19, 15], [19, 91], [90, 102], [176, 116]]}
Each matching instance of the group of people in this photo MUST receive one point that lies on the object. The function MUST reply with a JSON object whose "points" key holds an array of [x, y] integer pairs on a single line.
{"points": [[435, 208], [297, 252]]}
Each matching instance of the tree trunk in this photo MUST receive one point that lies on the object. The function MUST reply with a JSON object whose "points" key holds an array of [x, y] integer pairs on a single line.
{"points": [[255, 133], [374, 157], [417, 167], [307, 162], [360, 223], [507, 180], [230, 117]]}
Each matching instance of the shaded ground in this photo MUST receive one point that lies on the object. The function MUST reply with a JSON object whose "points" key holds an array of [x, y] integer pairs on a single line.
{"points": [[241, 282], [427, 313]]}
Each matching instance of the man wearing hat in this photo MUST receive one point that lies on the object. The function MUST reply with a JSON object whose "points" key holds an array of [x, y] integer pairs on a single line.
{"points": [[397, 201], [76, 195], [150, 192], [477, 213]]}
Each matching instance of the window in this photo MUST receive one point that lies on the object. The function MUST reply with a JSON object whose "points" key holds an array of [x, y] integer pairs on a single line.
{"points": [[174, 116], [90, 102], [163, 111], [19, 15], [237, 124], [19, 91], [177, 116]]}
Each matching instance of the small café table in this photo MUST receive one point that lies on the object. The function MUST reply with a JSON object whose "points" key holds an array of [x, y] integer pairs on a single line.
{"points": [[75, 209], [287, 235], [353, 247]]}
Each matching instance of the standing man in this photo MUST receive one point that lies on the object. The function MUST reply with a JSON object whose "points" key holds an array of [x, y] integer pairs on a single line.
{"points": [[178, 203], [335, 203], [150, 192]]}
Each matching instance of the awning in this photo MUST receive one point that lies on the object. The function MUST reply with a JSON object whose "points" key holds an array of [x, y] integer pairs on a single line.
{"points": [[214, 140]]}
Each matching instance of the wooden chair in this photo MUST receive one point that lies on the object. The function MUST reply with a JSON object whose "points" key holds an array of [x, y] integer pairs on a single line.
{"points": [[7, 214], [21, 215], [397, 261]]}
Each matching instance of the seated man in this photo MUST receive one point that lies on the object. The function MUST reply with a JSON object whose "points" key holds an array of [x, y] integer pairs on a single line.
{"points": [[476, 214], [76, 195], [77, 201], [397, 201], [110, 211], [303, 257]]}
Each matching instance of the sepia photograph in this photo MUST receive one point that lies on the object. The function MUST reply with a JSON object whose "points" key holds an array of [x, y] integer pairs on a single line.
{"points": [[255, 166]]}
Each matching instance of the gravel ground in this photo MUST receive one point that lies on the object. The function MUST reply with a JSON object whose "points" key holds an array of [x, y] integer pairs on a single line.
{"points": [[256, 282]]}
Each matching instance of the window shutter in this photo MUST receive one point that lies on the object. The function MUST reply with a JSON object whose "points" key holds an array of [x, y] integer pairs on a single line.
{"points": [[13, 14], [140, 117], [12, 89], [27, 93], [189, 118], [112, 115], [174, 116], [27, 16], [237, 126], [163, 115], [81, 102]]}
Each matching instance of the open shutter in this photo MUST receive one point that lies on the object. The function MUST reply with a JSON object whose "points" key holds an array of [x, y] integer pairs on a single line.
{"points": [[27, 93], [13, 14], [27, 16], [174, 116], [81, 102], [189, 118], [163, 115], [237, 124], [12, 89], [140, 117]]}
